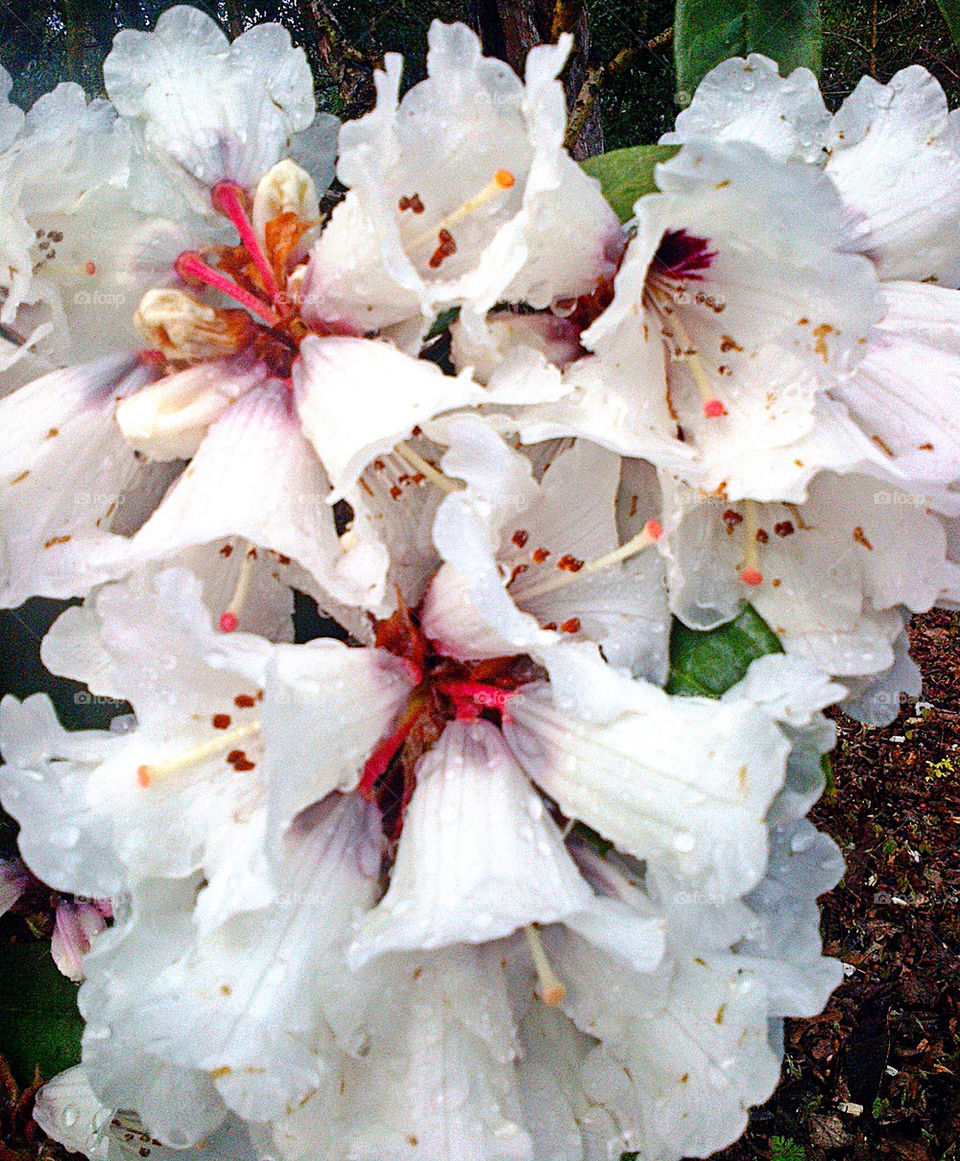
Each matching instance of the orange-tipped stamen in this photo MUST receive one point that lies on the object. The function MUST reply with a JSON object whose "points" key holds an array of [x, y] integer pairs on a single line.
{"points": [[191, 267], [649, 534], [552, 991], [231, 200], [750, 572], [501, 181], [149, 773], [230, 617]]}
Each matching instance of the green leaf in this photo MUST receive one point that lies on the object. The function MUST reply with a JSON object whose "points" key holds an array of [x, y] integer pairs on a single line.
{"points": [[707, 663], [951, 14], [40, 1025], [707, 32], [627, 174]]}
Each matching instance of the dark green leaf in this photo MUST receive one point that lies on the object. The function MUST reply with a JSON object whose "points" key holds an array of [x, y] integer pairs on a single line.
{"points": [[627, 174], [951, 14], [707, 32], [40, 1025], [708, 663]]}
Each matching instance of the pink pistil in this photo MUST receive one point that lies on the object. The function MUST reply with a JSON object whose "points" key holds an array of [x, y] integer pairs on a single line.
{"points": [[478, 693], [229, 622], [714, 408], [230, 198], [190, 266], [751, 576], [376, 765]]}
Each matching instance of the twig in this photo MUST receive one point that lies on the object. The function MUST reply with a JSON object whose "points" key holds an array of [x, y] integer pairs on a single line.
{"points": [[590, 89], [566, 15]]}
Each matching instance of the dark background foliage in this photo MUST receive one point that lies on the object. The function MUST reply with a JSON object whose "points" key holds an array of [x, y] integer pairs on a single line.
{"points": [[68, 39]]}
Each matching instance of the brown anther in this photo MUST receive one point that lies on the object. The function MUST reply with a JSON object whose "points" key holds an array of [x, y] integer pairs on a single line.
{"points": [[227, 550], [784, 528], [762, 536], [520, 537], [220, 721], [540, 555], [571, 625], [445, 248], [569, 563], [412, 203], [243, 701], [731, 519]]}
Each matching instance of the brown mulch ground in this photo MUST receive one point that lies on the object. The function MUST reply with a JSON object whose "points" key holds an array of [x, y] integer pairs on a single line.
{"points": [[889, 1041]]}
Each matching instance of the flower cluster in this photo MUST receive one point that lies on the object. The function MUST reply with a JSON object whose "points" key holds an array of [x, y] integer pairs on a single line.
{"points": [[464, 881]]}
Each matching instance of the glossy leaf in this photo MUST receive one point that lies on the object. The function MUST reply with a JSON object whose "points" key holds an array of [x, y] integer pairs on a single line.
{"points": [[707, 32], [707, 663], [40, 1025], [627, 174], [951, 14]]}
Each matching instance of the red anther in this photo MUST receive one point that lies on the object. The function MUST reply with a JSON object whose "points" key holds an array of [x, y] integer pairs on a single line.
{"points": [[144, 776], [191, 267], [654, 529], [229, 622], [751, 576], [714, 408], [90, 268], [231, 200], [504, 178]]}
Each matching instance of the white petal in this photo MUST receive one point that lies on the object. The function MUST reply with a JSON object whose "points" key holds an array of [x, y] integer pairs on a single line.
{"points": [[67, 467], [478, 857], [439, 1076], [317, 740], [62, 838], [748, 100], [358, 397], [678, 781], [211, 110], [256, 476], [246, 1002], [896, 161], [913, 417], [786, 949], [694, 1044]]}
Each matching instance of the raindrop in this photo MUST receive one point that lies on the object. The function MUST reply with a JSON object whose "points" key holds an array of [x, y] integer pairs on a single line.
{"points": [[684, 842]]}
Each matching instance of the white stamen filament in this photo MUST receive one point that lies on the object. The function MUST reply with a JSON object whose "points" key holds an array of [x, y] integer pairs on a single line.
{"points": [[692, 359], [750, 570], [230, 617], [149, 773], [649, 534], [433, 474], [552, 991], [501, 181]]}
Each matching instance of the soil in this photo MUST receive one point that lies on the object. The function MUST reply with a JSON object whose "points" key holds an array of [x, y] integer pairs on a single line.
{"points": [[877, 1075]]}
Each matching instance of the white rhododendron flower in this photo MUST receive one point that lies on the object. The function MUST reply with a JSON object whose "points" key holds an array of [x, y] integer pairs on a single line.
{"points": [[436, 217], [893, 153], [508, 859]]}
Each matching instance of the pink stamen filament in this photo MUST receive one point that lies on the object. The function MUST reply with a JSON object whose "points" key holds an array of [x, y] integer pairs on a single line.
{"points": [[230, 198], [190, 266], [376, 765]]}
